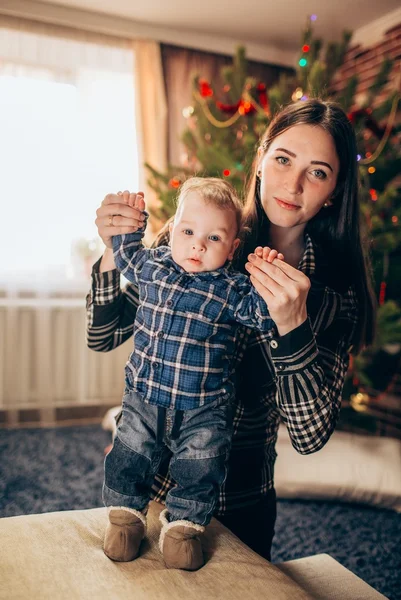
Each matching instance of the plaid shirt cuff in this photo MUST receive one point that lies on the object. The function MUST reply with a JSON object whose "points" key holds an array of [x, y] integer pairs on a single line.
{"points": [[105, 286], [294, 351]]}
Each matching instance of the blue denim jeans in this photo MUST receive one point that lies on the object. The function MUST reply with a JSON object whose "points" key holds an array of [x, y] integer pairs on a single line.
{"points": [[199, 441]]}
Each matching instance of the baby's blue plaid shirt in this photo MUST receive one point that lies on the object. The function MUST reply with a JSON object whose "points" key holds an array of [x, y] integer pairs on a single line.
{"points": [[186, 326]]}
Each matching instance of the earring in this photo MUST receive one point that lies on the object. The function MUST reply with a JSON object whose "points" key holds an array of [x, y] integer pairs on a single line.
{"points": [[258, 174], [327, 203]]}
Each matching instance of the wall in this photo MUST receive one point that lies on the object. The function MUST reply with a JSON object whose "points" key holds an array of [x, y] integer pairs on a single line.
{"points": [[364, 60]]}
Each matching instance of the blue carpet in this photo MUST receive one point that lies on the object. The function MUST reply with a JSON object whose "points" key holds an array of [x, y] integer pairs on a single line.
{"points": [[44, 470]]}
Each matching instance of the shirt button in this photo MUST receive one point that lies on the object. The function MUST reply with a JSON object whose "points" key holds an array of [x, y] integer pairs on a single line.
{"points": [[160, 334], [280, 367], [155, 365], [169, 302], [274, 344]]}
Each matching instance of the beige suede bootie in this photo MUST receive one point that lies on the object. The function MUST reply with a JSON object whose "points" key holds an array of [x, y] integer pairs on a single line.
{"points": [[124, 533], [180, 544]]}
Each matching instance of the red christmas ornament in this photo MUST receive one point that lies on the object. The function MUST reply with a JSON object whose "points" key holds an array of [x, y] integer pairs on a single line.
{"points": [[226, 172], [204, 88], [382, 294], [174, 182], [246, 108], [355, 114], [227, 108], [263, 98], [370, 123]]}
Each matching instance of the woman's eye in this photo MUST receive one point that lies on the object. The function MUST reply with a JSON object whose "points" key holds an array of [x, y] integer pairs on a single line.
{"points": [[282, 160], [319, 174], [214, 238], [188, 231]]}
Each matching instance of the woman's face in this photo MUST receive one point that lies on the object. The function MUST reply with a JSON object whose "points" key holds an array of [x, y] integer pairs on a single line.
{"points": [[298, 175]]}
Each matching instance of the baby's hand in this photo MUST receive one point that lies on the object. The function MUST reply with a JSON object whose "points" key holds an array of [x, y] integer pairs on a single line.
{"points": [[268, 254], [134, 200], [137, 201]]}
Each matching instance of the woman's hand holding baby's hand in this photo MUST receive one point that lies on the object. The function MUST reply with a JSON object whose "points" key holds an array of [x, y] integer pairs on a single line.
{"points": [[283, 288], [135, 201], [268, 254], [119, 214]]}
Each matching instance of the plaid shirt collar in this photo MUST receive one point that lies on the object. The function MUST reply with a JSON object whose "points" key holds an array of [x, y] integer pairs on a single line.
{"points": [[307, 264]]}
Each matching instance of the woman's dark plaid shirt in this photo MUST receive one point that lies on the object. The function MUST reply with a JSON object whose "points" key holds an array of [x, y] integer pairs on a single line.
{"points": [[296, 378]]}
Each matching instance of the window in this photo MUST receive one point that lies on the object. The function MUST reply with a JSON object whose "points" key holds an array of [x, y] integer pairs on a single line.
{"points": [[67, 138]]}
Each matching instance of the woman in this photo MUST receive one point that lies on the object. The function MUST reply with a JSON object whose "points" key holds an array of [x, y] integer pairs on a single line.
{"points": [[303, 202]]}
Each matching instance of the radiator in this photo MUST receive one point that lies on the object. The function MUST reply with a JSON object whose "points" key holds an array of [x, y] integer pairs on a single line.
{"points": [[45, 363]]}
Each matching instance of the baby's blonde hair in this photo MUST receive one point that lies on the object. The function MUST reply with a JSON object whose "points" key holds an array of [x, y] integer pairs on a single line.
{"points": [[216, 191]]}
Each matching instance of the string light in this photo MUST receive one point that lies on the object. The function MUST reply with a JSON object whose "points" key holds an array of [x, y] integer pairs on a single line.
{"points": [[303, 62], [371, 170], [313, 17], [187, 111], [358, 157], [394, 219], [373, 195], [226, 172], [297, 95], [305, 48]]}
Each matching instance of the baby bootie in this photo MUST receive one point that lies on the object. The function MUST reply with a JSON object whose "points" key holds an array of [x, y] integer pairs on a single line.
{"points": [[124, 533], [180, 544]]}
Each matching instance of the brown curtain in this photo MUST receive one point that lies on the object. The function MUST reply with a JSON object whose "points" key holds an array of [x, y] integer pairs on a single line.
{"points": [[179, 67]]}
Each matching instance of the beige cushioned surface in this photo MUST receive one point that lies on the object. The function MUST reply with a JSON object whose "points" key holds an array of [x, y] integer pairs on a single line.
{"points": [[57, 556], [326, 579], [350, 467]]}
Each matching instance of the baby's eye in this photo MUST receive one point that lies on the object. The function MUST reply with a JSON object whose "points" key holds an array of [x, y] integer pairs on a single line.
{"points": [[282, 160], [214, 238], [188, 232], [319, 174]]}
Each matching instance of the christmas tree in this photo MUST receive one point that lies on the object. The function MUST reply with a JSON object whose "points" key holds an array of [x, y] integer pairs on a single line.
{"points": [[222, 134]]}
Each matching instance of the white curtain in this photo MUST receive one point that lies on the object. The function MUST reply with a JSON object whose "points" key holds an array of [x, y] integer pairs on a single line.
{"points": [[68, 137]]}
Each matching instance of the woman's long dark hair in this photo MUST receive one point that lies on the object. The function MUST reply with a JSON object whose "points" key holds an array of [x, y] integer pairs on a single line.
{"points": [[335, 231]]}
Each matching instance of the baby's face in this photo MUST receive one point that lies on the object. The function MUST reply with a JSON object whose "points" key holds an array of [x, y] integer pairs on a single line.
{"points": [[202, 236]]}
